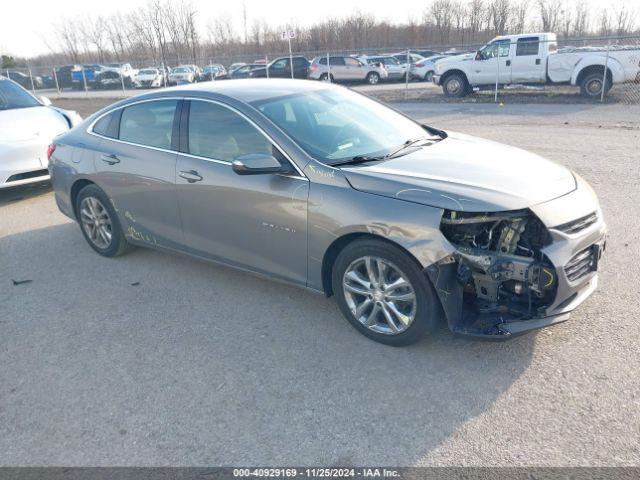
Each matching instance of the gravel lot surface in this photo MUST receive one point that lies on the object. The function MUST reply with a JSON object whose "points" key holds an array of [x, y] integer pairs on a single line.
{"points": [[203, 365]]}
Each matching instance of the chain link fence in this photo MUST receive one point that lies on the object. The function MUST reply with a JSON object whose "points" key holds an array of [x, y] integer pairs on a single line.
{"points": [[529, 70]]}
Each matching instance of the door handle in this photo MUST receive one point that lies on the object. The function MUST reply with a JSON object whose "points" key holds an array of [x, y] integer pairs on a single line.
{"points": [[508, 63], [537, 61], [111, 159], [190, 176]]}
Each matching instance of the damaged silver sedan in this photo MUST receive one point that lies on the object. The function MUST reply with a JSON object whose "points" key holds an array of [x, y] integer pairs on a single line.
{"points": [[313, 184]]}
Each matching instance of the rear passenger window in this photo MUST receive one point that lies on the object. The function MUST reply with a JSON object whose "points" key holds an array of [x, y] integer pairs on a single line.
{"points": [[101, 127], [219, 133], [336, 61], [527, 46], [148, 123]]}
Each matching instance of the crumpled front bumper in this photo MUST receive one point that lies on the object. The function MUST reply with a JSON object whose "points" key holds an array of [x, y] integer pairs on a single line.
{"points": [[575, 282]]}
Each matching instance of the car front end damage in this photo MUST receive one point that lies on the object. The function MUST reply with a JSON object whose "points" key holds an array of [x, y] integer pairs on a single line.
{"points": [[515, 271]]}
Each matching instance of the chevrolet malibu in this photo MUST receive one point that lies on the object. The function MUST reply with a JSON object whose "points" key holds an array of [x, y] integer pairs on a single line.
{"points": [[315, 185]]}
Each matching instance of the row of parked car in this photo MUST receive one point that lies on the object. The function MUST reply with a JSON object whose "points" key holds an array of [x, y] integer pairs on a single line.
{"points": [[356, 68]]}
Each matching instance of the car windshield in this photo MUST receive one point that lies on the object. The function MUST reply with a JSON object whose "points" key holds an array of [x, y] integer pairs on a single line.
{"points": [[181, 70], [13, 96], [148, 72], [334, 125]]}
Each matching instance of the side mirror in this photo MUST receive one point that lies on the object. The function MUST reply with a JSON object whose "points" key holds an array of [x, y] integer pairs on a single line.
{"points": [[257, 164], [478, 55], [45, 101]]}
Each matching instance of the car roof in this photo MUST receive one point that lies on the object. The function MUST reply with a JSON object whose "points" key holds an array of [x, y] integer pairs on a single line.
{"points": [[246, 90]]}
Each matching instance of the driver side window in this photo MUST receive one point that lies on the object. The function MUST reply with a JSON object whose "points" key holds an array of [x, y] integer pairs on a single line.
{"points": [[494, 49], [219, 133]]}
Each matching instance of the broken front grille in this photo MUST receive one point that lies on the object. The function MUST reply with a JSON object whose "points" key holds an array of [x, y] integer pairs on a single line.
{"points": [[576, 226], [580, 264]]}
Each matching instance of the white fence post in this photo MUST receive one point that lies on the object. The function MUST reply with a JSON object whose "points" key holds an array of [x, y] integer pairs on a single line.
{"points": [[55, 78], [33, 89], [328, 68], [604, 74]]}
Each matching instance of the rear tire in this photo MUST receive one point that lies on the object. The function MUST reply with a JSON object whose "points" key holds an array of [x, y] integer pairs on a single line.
{"points": [[591, 85], [455, 86], [428, 77], [373, 78], [368, 304], [99, 222], [325, 77]]}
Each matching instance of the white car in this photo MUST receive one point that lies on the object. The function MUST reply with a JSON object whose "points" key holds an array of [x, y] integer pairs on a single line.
{"points": [[28, 126], [425, 68], [182, 75], [149, 78]]}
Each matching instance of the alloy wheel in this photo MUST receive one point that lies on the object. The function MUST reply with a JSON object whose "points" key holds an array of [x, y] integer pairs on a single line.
{"points": [[379, 295], [96, 222]]}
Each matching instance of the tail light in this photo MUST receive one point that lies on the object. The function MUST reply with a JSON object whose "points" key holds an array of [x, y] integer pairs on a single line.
{"points": [[419, 65], [50, 149], [313, 68]]}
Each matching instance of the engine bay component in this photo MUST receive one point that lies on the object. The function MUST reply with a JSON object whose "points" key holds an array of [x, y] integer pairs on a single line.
{"points": [[502, 271]]}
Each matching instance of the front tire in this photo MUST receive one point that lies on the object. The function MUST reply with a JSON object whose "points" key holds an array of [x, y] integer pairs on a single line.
{"points": [[99, 223], [455, 86], [383, 293]]}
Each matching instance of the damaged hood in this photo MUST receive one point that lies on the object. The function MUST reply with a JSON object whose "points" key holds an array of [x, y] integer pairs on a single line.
{"points": [[467, 174]]}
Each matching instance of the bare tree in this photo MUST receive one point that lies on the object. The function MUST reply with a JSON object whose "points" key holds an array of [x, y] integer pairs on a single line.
{"points": [[520, 16], [441, 13], [549, 11], [500, 15], [581, 22]]}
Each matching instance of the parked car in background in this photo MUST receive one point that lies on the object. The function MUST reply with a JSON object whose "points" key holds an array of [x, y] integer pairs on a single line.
{"points": [[28, 125], [125, 69], [197, 71], [346, 69], [234, 66], [243, 70], [214, 71], [64, 75], [425, 52], [402, 57], [112, 79], [281, 68], [86, 74], [395, 70], [149, 78], [182, 74], [425, 68], [532, 58], [24, 80]]}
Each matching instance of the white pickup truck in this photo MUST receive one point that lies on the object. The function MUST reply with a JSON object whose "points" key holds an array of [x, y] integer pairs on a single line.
{"points": [[534, 58]]}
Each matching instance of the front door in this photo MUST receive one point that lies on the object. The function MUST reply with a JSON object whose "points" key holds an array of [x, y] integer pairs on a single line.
{"points": [[491, 61], [136, 168], [257, 222]]}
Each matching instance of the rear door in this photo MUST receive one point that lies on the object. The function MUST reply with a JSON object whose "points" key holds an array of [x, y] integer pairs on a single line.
{"points": [[300, 67], [526, 64], [135, 166], [258, 222], [338, 68]]}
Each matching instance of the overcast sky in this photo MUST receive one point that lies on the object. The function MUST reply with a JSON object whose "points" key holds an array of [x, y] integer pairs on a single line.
{"points": [[25, 23]]}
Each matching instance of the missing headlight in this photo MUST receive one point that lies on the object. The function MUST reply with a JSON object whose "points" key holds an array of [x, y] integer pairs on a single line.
{"points": [[500, 260]]}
